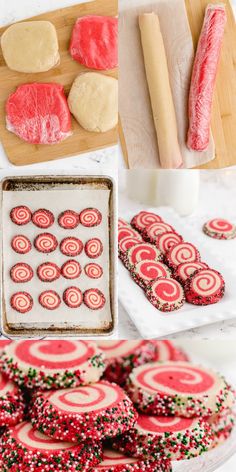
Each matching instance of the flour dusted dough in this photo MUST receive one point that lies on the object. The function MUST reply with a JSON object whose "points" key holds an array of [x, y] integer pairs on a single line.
{"points": [[93, 100], [30, 46]]}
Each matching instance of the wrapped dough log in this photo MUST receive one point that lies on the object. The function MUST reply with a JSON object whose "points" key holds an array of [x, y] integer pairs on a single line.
{"points": [[160, 91]]}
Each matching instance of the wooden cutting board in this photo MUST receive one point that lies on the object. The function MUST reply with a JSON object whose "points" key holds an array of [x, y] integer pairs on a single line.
{"points": [[22, 153], [223, 114]]}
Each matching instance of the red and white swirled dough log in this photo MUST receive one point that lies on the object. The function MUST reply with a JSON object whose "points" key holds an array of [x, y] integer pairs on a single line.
{"points": [[167, 351], [114, 461], [53, 364], [27, 450], [178, 389], [144, 219], [122, 356], [204, 287], [204, 77], [97, 411], [145, 271], [157, 74], [222, 425], [12, 405], [140, 252], [178, 438]]}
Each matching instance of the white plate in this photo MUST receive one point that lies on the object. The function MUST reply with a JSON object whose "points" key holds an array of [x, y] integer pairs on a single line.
{"points": [[152, 323]]}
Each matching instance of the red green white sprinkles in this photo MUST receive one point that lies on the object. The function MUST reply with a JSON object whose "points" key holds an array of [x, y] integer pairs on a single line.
{"points": [[114, 461], [11, 402]]}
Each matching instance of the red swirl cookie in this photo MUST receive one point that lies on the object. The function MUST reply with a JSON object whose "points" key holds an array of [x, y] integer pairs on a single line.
{"points": [[93, 271], [11, 402], [69, 219], [122, 222], [220, 229], [114, 461], [166, 241], [21, 302], [178, 438], [222, 425], [141, 252], [90, 217], [94, 299], [165, 294], [56, 363], [21, 244], [48, 272], [126, 244], [151, 233], [21, 273], [144, 219], [20, 215], [45, 242], [183, 271], [178, 388], [145, 271], [73, 297], [71, 246], [93, 248], [49, 299], [43, 218], [28, 450], [71, 269], [128, 232], [97, 411], [204, 287], [182, 252], [167, 351]]}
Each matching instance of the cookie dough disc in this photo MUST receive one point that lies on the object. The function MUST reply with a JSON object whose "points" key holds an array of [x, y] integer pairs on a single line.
{"points": [[43, 218], [38, 113], [167, 351], [73, 297], [21, 273], [204, 287], [145, 271], [222, 425], [31, 46], [185, 270], [94, 42], [93, 248], [71, 269], [178, 388], [165, 294], [93, 100], [20, 215], [90, 217], [144, 219], [45, 242], [178, 438], [123, 356], [49, 299], [153, 231], [21, 244], [96, 411], [93, 271], [94, 299], [166, 241], [142, 252], [21, 302], [53, 364], [220, 229], [117, 462], [69, 219], [27, 450], [71, 246], [182, 252], [48, 272], [11, 402]]}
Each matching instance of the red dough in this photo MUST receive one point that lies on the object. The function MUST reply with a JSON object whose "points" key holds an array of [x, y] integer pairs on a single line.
{"points": [[127, 232], [183, 271], [11, 403], [204, 287], [97, 411], [43, 218], [73, 297], [117, 462], [49, 299], [167, 351], [94, 42], [145, 271], [94, 299], [165, 294], [26, 450], [20, 215], [220, 229], [141, 252], [21, 244], [93, 271], [21, 273], [166, 241], [48, 272], [182, 252], [69, 219], [151, 232], [38, 113], [21, 302], [144, 219], [71, 269], [45, 242], [90, 217], [93, 248], [71, 246]]}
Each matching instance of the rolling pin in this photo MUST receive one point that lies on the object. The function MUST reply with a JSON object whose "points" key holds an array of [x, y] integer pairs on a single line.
{"points": [[160, 91]]}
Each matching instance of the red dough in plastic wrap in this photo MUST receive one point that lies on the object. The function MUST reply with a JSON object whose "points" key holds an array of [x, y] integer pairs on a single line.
{"points": [[38, 113], [94, 42]]}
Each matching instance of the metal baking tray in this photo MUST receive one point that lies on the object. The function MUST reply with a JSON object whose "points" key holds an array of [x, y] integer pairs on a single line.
{"points": [[49, 182]]}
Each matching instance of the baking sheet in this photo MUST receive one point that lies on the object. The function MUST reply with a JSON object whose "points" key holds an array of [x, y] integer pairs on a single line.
{"points": [[56, 201]]}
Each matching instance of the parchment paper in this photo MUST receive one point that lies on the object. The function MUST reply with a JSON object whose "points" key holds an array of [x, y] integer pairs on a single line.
{"points": [[134, 102], [56, 201]]}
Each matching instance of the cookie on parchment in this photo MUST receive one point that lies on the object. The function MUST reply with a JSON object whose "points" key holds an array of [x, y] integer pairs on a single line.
{"points": [[68, 219], [43, 218], [20, 215]]}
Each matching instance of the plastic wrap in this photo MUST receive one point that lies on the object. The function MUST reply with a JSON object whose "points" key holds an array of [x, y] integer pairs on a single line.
{"points": [[94, 42], [204, 77], [38, 113]]}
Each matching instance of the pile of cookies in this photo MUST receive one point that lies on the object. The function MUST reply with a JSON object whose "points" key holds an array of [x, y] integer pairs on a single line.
{"points": [[116, 406], [168, 269]]}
